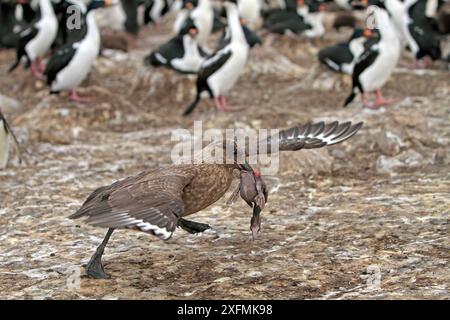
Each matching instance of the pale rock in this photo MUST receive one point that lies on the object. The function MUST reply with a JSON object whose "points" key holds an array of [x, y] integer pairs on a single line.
{"points": [[387, 164], [412, 158], [8, 104], [390, 142], [323, 83], [407, 159]]}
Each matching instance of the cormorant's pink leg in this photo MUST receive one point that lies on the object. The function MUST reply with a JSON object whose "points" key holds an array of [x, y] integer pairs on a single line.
{"points": [[34, 71], [76, 98], [218, 103], [421, 64], [380, 101], [364, 100], [40, 65], [226, 107]]}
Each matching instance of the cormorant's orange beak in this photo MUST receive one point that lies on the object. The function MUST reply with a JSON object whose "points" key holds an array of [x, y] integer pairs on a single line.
{"points": [[193, 32], [189, 5], [108, 3], [301, 3], [368, 33], [365, 2], [243, 21]]}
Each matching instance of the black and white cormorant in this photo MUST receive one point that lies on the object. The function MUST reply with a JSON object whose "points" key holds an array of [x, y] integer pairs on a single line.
{"points": [[36, 40], [202, 13], [375, 66], [220, 72], [342, 56], [70, 65], [181, 53]]}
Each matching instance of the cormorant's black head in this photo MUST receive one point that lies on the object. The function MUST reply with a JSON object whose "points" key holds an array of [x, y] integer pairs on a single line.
{"points": [[28, 2], [378, 3], [252, 38], [301, 3], [189, 27], [190, 4], [366, 32], [59, 6], [363, 4], [96, 4], [357, 33], [315, 5]]}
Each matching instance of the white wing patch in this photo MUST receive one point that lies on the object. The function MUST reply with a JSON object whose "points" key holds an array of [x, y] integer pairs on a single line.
{"points": [[160, 58], [25, 32], [332, 64]]}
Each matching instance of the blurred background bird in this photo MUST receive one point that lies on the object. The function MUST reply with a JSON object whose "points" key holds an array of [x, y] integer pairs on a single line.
{"points": [[70, 65], [8, 142]]}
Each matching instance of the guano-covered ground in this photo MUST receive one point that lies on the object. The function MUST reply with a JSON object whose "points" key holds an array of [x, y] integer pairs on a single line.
{"points": [[338, 219]]}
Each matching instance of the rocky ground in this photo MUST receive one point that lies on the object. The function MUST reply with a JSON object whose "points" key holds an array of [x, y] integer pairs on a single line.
{"points": [[365, 219]]}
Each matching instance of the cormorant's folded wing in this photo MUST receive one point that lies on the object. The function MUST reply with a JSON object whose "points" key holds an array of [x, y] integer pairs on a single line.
{"points": [[59, 61]]}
